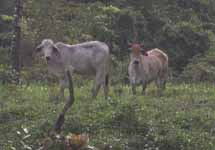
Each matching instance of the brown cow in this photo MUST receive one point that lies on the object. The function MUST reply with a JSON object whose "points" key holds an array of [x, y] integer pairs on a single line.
{"points": [[148, 67]]}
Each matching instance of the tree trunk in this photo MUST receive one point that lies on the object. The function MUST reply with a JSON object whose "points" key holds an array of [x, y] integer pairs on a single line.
{"points": [[17, 35]]}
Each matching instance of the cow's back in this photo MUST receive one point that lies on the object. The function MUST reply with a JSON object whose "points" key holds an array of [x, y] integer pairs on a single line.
{"points": [[85, 57], [160, 54]]}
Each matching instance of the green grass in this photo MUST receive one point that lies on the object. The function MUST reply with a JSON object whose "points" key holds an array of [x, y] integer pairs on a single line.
{"points": [[183, 118]]}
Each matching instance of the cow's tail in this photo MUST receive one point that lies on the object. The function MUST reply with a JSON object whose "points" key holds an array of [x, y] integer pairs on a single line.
{"points": [[107, 69], [106, 79]]}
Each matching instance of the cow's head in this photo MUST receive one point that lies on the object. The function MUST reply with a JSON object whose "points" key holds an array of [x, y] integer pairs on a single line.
{"points": [[136, 52], [48, 49]]}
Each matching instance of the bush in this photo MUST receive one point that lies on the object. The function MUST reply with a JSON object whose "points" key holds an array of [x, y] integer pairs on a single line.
{"points": [[182, 42], [200, 68], [119, 70], [7, 74]]}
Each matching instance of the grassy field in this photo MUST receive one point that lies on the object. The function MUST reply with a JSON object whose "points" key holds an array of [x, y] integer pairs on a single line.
{"points": [[183, 118]]}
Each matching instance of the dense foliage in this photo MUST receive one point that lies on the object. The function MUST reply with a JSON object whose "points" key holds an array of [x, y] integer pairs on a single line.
{"points": [[182, 119], [183, 29]]}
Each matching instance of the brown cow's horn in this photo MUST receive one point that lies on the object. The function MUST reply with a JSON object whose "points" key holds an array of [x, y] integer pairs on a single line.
{"points": [[141, 45]]}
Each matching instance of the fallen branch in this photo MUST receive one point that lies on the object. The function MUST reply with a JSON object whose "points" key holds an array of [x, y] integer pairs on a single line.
{"points": [[68, 104]]}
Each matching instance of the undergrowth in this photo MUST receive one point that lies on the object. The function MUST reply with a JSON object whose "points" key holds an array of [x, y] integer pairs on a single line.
{"points": [[183, 118]]}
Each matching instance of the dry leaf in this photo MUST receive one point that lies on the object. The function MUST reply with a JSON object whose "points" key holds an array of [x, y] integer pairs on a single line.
{"points": [[27, 136]]}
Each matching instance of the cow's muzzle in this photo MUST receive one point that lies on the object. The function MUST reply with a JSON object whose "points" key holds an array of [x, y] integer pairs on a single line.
{"points": [[136, 62]]}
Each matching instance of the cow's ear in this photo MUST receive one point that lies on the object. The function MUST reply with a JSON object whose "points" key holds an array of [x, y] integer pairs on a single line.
{"points": [[38, 48], [56, 51]]}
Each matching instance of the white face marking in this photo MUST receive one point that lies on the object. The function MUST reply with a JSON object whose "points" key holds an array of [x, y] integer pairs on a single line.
{"points": [[47, 51], [47, 48]]}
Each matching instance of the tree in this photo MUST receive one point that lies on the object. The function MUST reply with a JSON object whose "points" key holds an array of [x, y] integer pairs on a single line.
{"points": [[17, 35]]}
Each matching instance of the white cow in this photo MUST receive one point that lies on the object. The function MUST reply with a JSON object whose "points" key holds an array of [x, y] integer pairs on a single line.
{"points": [[89, 58]]}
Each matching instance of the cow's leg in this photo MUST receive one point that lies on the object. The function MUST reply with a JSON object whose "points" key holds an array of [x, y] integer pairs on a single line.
{"points": [[164, 80], [164, 77], [143, 87], [99, 80], [105, 86], [63, 82], [163, 84], [96, 90], [63, 85], [133, 88], [159, 85]]}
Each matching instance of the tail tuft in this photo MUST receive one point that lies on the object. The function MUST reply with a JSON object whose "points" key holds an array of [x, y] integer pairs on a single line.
{"points": [[106, 80]]}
